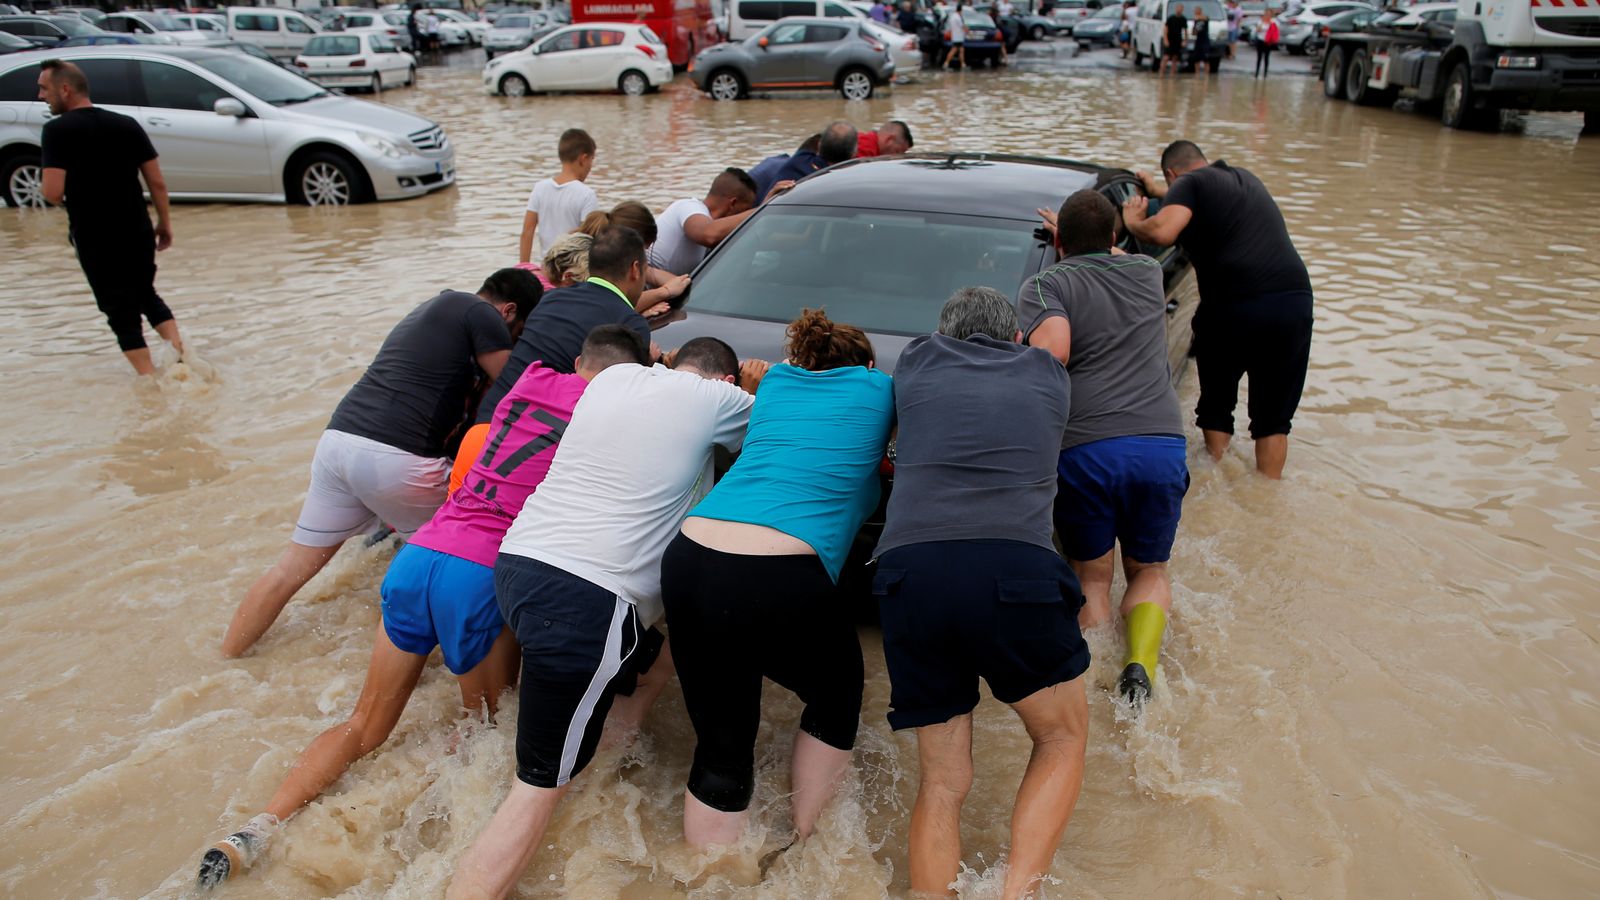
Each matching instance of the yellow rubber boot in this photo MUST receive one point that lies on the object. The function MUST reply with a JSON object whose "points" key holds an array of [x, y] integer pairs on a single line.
{"points": [[1147, 623]]}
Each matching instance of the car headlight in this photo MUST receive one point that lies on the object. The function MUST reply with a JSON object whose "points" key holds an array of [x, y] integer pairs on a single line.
{"points": [[386, 146]]}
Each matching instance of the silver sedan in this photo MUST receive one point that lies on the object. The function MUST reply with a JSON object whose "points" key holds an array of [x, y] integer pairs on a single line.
{"points": [[231, 127]]}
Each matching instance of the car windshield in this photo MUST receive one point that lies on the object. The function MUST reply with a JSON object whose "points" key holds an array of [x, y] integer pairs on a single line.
{"points": [[648, 35], [332, 46], [514, 22], [791, 257], [275, 85], [74, 26]]}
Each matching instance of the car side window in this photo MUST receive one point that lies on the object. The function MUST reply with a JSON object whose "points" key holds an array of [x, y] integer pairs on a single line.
{"points": [[1447, 17], [787, 34], [256, 22], [20, 85], [761, 10], [836, 11], [297, 26], [26, 28], [169, 87], [116, 24], [113, 81], [596, 37], [561, 42], [825, 34]]}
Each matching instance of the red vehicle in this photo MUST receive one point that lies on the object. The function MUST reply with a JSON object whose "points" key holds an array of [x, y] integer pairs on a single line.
{"points": [[686, 26]]}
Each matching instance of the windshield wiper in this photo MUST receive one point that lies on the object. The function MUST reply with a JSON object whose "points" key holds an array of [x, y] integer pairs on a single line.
{"points": [[292, 100]]}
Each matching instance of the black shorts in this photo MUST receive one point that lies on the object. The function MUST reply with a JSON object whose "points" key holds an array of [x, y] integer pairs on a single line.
{"points": [[122, 274], [955, 611], [1172, 52], [1267, 338], [735, 619], [581, 646]]}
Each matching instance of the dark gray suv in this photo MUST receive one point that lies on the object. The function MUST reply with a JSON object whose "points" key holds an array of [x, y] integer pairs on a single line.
{"points": [[797, 53]]}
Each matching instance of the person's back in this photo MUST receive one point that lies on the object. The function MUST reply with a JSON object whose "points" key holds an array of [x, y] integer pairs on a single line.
{"points": [[101, 152], [1237, 238]]}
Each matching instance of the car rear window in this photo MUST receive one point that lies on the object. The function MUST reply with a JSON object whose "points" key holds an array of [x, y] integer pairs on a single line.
{"points": [[514, 22], [333, 46], [884, 271]]}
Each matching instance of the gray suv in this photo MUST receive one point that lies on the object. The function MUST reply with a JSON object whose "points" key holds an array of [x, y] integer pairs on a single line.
{"points": [[231, 127], [797, 53]]}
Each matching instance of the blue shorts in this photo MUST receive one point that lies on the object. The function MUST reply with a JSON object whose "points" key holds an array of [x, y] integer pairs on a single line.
{"points": [[1127, 489], [434, 599]]}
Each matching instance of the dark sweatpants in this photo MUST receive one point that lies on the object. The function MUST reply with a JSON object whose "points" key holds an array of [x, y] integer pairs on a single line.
{"points": [[1266, 337], [122, 274]]}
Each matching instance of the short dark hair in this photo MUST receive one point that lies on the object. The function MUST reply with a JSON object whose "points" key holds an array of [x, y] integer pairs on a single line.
{"points": [[838, 142], [1181, 154], [517, 286], [616, 248], [574, 143], [905, 131], [810, 144], [63, 72], [733, 183], [1086, 223], [609, 345], [710, 355]]}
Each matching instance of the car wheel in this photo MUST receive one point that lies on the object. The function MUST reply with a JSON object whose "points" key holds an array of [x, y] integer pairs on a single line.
{"points": [[725, 85], [633, 83], [1138, 57], [22, 179], [1457, 110], [1037, 33], [1591, 122], [411, 76], [855, 84], [324, 180], [377, 83], [514, 85], [1333, 74]]}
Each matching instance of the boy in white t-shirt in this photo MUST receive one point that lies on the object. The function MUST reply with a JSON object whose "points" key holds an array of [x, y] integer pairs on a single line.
{"points": [[557, 205]]}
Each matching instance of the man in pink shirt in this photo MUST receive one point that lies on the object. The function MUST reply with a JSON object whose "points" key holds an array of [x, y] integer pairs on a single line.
{"points": [[439, 591]]}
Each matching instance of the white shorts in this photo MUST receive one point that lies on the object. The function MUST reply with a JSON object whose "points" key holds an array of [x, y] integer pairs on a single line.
{"points": [[357, 482]]}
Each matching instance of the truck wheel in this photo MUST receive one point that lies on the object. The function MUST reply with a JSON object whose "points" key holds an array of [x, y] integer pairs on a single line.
{"points": [[1356, 76], [1457, 110], [1333, 74]]}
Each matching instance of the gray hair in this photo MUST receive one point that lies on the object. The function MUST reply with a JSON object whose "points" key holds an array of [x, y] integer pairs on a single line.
{"points": [[978, 310], [568, 256], [838, 142]]}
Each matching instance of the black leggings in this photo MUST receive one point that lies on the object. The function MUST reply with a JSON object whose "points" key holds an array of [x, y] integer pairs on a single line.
{"points": [[122, 275], [1267, 338], [733, 619], [1263, 57]]}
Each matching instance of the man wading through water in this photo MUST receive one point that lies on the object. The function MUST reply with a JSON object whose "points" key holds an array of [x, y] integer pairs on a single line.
{"points": [[94, 158]]}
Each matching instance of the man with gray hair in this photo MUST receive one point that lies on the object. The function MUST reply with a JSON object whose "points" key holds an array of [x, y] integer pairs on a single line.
{"points": [[969, 584], [839, 142]]}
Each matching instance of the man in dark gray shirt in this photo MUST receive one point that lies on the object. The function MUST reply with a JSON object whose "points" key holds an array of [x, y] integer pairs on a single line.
{"points": [[1123, 469], [970, 586]]}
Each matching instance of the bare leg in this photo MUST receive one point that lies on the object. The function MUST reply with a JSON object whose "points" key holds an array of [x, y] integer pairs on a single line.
{"points": [[627, 713], [814, 775], [495, 862], [485, 682], [391, 677], [1272, 452], [169, 333], [1216, 443], [946, 759], [140, 360], [1147, 583], [1095, 578], [271, 592], [1057, 719], [706, 826]]}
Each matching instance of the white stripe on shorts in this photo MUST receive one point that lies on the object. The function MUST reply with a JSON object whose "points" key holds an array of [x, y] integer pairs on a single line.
{"points": [[610, 664]]}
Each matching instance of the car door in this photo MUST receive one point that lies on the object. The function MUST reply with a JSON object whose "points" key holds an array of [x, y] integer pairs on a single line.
{"points": [[201, 152], [385, 56], [603, 56], [558, 66], [782, 62], [259, 28], [297, 32]]}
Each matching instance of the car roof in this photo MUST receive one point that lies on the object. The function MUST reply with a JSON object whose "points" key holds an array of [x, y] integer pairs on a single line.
{"points": [[1003, 186], [189, 52]]}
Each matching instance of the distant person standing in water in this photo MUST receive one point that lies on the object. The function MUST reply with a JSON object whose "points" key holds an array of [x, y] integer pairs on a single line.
{"points": [[1265, 41], [1177, 27], [93, 159], [384, 455], [1201, 54], [1255, 295]]}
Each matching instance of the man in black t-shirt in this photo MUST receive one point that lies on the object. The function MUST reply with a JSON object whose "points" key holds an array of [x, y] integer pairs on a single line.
{"points": [[384, 455], [1177, 26], [92, 159], [1255, 295]]}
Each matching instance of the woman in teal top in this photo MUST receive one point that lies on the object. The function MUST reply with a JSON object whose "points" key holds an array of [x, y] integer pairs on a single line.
{"points": [[750, 584]]}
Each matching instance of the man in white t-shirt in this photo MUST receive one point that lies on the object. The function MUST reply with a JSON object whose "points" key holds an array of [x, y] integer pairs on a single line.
{"points": [[688, 228], [557, 205], [579, 575]]}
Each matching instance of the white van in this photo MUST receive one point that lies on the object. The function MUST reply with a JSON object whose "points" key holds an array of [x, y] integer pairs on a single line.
{"points": [[281, 32], [746, 17], [1149, 30]]}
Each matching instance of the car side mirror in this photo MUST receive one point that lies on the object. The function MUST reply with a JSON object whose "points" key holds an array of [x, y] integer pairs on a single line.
{"points": [[228, 106], [762, 43]]}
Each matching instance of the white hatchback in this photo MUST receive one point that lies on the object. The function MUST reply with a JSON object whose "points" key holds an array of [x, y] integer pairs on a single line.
{"points": [[366, 59], [601, 56]]}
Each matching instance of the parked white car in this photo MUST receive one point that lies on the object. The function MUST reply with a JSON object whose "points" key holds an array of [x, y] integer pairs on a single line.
{"points": [[281, 32], [160, 25], [213, 26], [456, 28], [600, 56], [230, 126], [357, 59]]}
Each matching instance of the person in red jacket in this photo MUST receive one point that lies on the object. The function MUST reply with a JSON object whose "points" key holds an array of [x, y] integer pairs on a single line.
{"points": [[893, 139]]}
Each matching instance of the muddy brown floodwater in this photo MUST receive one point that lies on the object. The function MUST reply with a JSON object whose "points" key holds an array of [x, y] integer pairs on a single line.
{"points": [[1382, 680]]}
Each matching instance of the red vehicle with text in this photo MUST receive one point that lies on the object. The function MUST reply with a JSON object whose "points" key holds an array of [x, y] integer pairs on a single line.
{"points": [[687, 26]]}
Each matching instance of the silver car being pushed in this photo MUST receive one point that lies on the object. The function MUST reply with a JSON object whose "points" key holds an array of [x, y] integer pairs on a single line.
{"points": [[230, 127], [797, 53]]}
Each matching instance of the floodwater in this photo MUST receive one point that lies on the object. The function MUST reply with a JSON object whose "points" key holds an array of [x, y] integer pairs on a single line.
{"points": [[1382, 679]]}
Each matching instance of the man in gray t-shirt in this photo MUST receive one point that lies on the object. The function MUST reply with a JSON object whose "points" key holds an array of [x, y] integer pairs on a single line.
{"points": [[1123, 468], [969, 584]]}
